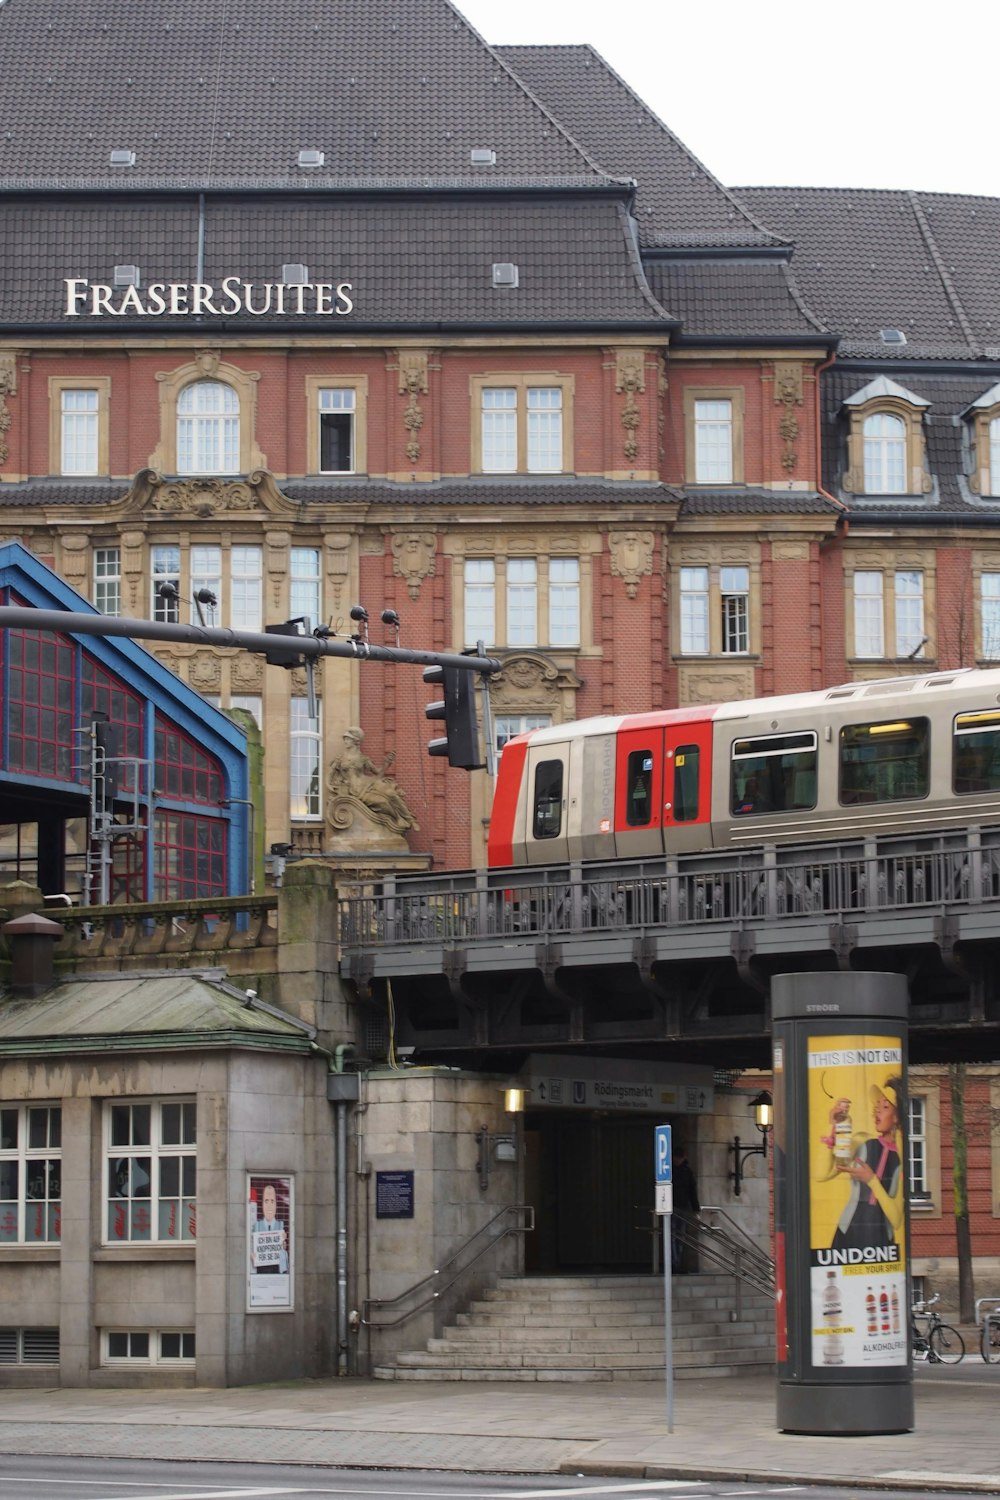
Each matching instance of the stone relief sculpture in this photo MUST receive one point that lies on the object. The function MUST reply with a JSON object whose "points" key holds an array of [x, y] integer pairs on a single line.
{"points": [[361, 790]]}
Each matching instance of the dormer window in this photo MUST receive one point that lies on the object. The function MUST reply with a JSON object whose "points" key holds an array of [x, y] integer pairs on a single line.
{"points": [[886, 448], [984, 418]]}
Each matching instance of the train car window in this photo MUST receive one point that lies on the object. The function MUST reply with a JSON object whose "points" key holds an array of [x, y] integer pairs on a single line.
{"points": [[687, 759], [976, 757], [885, 762], [548, 799], [639, 799], [773, 773]]}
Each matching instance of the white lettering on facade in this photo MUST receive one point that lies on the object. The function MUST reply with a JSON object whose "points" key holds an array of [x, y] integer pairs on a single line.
{"points": [[232, 298]]}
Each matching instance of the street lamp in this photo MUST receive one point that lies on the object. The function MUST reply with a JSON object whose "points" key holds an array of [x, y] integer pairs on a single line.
{"points": [[763, 1112]]}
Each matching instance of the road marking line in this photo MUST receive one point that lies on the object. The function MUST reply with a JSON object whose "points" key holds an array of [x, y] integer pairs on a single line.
{"points": [[624, 1487]]}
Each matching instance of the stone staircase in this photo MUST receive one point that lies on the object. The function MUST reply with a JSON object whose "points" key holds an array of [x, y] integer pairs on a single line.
{"points": [[587, 1328]]}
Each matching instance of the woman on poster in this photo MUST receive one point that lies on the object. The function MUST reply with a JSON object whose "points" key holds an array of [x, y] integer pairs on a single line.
{"points": [[873, 1212]]}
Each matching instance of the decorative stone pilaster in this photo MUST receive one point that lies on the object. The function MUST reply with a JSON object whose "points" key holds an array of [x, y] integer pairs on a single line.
{"points": [[631, 557], [630, 378], [8, 388], [413, 558], [413, 383], [788, 395]]}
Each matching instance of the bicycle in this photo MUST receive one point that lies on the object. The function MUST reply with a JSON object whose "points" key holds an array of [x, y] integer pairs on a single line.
{"points": [[989, 1338], [938, 1343]]}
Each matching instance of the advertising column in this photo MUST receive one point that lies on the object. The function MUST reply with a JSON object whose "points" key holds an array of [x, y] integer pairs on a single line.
{"points": [[841, 1203]]}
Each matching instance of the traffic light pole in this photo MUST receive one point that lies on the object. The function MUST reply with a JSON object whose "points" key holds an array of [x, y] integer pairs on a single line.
{"points": [[69, 622]]}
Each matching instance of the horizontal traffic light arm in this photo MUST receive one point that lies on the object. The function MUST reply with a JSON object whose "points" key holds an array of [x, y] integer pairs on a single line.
{"points": [[69, 622]]}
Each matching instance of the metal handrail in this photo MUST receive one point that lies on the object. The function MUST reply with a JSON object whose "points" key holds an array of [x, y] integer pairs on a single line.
{"points": [[433, 1285], [738, 1235]]}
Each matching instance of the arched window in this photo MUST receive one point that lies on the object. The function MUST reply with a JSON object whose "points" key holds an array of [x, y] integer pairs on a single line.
{"points": [[208, 429], [885, 454]]}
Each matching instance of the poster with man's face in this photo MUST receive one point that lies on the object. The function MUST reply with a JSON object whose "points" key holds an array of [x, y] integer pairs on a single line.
{"points": [[269, 1243]]}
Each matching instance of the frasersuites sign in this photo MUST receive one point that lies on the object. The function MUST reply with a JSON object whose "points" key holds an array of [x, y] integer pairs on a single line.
{"points": [[232, 298]]}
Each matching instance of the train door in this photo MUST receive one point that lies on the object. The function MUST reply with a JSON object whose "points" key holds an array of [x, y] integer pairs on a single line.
{"points": [[639, 792], [547, 779], [687, 786]]}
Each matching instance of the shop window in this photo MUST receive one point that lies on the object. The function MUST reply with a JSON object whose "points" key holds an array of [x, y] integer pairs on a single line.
{"points": [[30, 1174], [773, 773], [713, 436], [79, 424], [884, 762], [151, 1172], [208, 429], [336, 424], [715, 611], [306, 751], [522, 424]]}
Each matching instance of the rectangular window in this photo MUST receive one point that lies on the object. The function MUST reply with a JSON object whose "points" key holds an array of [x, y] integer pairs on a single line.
{"points": [[252, 703], [916, 1140], [886, 762], [564, 601], [910, 636], [499, 431], [547, 820], [639, 784], [165, 563], [989, 598], [545, 435], [522, 602], [206, 574], [305, 596], [144, 1346], [694, 610], [713, 442], [506, 726], [480, 601], [306, 746], [30, 1174], [735, 586], [79, 430], [774, 773], [687, 761], [151, 1172], [246, 585], [336, 430], [976, 753], [869, 620], [107, 580]]}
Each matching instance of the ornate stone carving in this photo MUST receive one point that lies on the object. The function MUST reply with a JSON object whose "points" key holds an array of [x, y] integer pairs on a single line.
{"points": [[413, 558], [338, 565], [364, 797], [788, 394], [208, 361], [246, 673], [531, 681], [8, 387], [202, 498], [790, 551], [630, 377], [73, 557], [413, 383], [708, 685], [631, 557], [205, 672]]}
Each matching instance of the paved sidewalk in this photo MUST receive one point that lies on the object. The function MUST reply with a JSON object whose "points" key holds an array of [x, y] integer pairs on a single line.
{"points": [[722, 1428]]}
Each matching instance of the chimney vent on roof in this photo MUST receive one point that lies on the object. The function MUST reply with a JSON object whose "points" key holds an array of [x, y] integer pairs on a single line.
{"points": [[120, 157], [892, 336], [126, 276], [482, 156], [310, 157], [31, 939], [504, 273], [294, 273]]}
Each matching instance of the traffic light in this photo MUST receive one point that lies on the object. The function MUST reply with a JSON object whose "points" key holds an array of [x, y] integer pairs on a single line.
{"points": [[283, 656], [106, 753], [458, 710]]}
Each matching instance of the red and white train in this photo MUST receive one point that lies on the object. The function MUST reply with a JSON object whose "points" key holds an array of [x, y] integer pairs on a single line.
{"points": [[911, 754]]}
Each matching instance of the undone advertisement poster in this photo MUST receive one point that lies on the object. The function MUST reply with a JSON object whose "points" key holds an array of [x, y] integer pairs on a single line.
{"points": [[857, 1200]]}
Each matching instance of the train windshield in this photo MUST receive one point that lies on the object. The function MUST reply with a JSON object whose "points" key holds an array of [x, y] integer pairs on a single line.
{"points": [[976, 760], [886, 762], [773, 773]]}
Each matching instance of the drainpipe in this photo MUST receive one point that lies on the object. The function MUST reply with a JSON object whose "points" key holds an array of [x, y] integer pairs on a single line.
{"points": [[342, 1089]]}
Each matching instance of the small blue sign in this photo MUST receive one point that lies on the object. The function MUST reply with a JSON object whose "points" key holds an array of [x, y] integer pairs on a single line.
{"points": [[664, 1156], [394, 1195]]}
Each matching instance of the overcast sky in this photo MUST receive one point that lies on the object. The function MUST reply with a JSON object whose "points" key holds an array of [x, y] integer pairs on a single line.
{"points": [[793, 93]]}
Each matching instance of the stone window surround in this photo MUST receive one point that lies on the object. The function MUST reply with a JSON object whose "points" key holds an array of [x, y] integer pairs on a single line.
{"points": [[102, 385], [172, 382], [521, 383], [494, 550], [359, 385], [889, 563], [736, 396], [919, 480], [982, 562], [929, 1090], [981, 477], [184, 541], [715, 557]]}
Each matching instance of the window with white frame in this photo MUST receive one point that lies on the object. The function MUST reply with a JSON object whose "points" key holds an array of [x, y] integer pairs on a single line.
{"points": [[306, 748], [79, 428], [885, 454], [537, 603], [869, 617], [713, 442], [305, 595], [206, 574], [694, 611], [916, 1144], [208, 429], [251, 703], [909, 613], [165, 568], [30, 1173], [246, 587], [734, 585], [107, 585], [151, 1176], [522, 429], [994, 455], [989, 603], [713, 610], [337, 415], [506, 726], [147, 1346]]}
